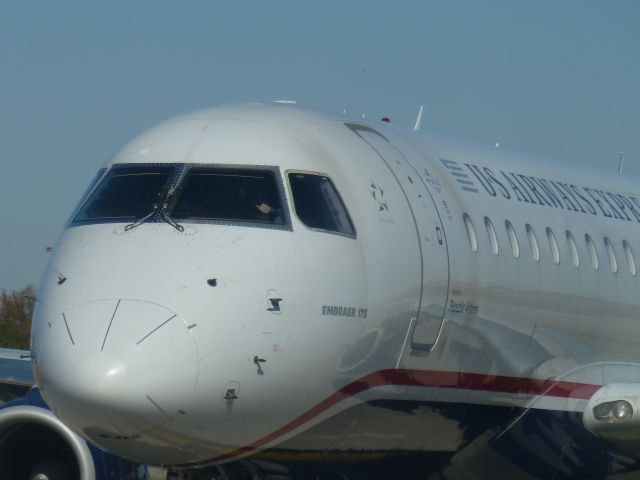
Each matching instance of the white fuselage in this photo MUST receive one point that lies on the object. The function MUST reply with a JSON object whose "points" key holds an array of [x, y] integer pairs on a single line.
{"points": [[149, 341]]}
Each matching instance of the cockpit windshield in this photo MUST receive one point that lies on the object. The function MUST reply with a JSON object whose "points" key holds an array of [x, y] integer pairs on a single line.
{"points": [[229, 195], [178, 193], [126, 192]]}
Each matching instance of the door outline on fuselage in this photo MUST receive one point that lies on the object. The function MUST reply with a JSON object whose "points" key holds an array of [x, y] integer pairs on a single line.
{"points": [[357, 129]]}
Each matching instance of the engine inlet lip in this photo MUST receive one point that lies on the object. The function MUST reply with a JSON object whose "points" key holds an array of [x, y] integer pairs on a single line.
{"points": [[24, 414]]}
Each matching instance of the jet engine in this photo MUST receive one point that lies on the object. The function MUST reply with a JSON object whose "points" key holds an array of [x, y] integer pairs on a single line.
{"points": [[36, 445]]}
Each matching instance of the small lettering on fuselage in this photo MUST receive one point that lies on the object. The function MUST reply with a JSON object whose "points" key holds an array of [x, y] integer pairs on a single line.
{"points": [[342, 311], [468, 308]]}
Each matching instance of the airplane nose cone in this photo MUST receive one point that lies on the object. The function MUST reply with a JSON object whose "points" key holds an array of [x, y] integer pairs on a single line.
{"points": [[113, 369], [106, 375]]}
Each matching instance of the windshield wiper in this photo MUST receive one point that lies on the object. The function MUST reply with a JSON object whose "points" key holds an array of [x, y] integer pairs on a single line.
{"points": [[165, 216], [165, 197], [171, 221], [133, 225]]}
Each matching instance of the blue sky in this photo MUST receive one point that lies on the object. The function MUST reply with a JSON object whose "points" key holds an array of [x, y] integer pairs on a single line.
{"points": [[77, 79]]}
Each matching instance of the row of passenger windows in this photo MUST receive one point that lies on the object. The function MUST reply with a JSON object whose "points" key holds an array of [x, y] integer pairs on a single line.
{"points": [[569, 240]]}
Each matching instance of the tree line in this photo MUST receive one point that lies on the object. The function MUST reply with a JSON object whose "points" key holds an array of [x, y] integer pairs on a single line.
{"points": [[16, 310]]}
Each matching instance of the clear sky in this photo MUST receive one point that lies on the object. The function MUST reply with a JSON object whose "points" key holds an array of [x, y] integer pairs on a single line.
{"points": [[77, 79]]}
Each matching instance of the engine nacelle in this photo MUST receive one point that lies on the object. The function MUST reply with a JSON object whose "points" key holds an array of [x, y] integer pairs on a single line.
{"points": [[36, 445]]}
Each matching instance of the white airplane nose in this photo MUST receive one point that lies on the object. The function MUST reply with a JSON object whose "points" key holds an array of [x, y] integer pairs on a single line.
{"points": [[113, 369], [107, 377]]}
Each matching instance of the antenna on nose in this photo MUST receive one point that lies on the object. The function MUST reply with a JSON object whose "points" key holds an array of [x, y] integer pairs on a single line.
{"points": [[419, 119], [621, 162]]}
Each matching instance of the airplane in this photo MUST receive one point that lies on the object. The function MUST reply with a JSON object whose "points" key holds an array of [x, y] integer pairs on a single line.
{"points": [[266, 291]]}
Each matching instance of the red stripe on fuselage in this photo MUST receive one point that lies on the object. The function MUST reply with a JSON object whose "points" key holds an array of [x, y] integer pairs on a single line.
{"points": [[422, 378]]}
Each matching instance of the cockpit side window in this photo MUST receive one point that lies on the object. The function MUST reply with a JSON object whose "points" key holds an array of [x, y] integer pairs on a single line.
{"points": [[126, 192], [89, 189], [318, 204], [230, 195]]}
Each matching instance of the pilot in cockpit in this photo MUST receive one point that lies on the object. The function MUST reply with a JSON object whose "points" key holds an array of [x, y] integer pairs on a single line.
{"points": [[266, 209]]}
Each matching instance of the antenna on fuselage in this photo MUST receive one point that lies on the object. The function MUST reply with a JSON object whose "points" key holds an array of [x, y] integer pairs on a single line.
{"points": [[621, 162], [419, 119]]}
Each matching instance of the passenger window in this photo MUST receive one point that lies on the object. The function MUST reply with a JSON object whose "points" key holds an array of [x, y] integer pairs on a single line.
{"points": [[630, 259], [612, 255], [318, 204], [592, 251], [573, 249], [230, 195], [471, 232], [553, 245], [493, 240], [515, 248], [533, 241]]}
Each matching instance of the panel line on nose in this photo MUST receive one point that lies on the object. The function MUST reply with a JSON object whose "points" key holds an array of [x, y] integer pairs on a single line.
{"points": [[158, 406], [157, 328], [68, 331], [109, 327]]}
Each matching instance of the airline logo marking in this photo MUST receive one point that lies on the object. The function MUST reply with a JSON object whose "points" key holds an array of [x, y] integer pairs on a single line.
{"points": [[544, 192], [459, 174]]}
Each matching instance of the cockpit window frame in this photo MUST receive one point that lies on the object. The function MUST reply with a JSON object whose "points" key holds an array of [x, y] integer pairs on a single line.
{"points": [[179, 173], [287, 174]]}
